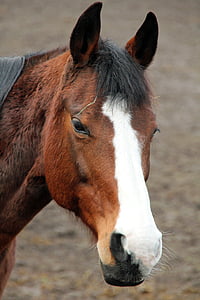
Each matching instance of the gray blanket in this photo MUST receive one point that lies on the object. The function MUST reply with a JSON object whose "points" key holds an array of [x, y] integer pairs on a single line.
{"points": [[10, 69]]}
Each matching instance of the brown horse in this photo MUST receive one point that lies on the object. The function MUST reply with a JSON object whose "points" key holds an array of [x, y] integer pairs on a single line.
{"points": [[76, 127]]}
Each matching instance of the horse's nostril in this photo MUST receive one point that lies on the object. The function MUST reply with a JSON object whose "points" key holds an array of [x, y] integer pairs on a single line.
{"points": [[116, 247]]}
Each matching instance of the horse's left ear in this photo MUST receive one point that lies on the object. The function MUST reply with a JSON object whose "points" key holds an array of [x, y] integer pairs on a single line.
{"points": [[85, 36], [142, 46]]}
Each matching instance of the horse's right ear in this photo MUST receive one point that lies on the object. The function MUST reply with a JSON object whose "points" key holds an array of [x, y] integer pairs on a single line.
{"points": [[85, 36]]}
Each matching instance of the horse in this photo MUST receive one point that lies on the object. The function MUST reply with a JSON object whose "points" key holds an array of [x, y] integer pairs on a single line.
{"points": [[76, 128]]}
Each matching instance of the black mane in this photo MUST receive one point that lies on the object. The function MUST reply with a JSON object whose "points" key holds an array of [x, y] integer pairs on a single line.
{"points": [[119, 76], [35, 58]]}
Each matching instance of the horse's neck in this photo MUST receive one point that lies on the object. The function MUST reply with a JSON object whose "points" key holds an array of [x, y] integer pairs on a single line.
{"points": [[42, 79], [23, 117]]}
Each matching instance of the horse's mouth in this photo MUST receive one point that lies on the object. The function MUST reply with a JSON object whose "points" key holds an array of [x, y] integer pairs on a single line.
{"points": [[122, 274], [115, 282]]}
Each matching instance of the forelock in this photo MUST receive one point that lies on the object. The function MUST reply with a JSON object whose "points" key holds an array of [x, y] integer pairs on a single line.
{"points": [[120, 77]]}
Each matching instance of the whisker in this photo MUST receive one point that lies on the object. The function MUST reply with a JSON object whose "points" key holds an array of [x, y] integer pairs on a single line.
{"points": [[167, 233]]}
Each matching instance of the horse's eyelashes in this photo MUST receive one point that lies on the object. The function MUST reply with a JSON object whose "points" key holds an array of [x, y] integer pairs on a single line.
{"points": [[155, 131], [79, 127]]}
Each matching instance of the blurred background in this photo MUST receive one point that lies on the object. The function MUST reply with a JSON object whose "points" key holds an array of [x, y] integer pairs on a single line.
{"points": [[56, 259]]}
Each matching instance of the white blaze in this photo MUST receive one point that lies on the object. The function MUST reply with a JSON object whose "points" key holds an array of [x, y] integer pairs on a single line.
{"points": [[135, 220]]}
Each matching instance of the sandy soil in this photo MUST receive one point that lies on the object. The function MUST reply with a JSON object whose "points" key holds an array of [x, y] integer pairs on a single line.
{"points": [[55, 258]]}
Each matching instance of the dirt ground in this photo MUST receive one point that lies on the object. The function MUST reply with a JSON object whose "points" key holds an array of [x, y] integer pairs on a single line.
{"points": [[55, 257]]}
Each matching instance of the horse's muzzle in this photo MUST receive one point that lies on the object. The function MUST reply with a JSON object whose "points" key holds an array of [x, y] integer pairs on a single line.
{"points": [[127, 271], [123, 274]]}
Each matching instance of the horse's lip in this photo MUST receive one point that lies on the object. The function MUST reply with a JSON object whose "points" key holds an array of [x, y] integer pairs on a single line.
{"points": [[115, 282], [122, 274]]}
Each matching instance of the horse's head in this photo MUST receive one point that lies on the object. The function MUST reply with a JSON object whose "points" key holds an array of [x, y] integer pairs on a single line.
{"points": [[98, 143]]}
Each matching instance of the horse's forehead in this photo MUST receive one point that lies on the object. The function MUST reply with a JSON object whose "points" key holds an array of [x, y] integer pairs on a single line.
{"points": [[142, 118]]}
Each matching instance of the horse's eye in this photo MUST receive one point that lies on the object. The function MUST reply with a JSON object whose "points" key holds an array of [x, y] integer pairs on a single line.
{"points": [[79, 127], [155, 131]]}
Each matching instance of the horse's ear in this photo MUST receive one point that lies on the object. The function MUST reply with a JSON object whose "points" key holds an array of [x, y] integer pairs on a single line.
{"points": [[85, 36], [142, 46]]}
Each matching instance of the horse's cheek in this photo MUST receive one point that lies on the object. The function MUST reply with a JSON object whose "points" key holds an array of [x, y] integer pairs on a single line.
{"points": [[60, 174], [88, 208]]}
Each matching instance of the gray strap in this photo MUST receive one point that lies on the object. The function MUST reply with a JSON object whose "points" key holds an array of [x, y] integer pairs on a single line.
{"points": [[10, 69]]}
